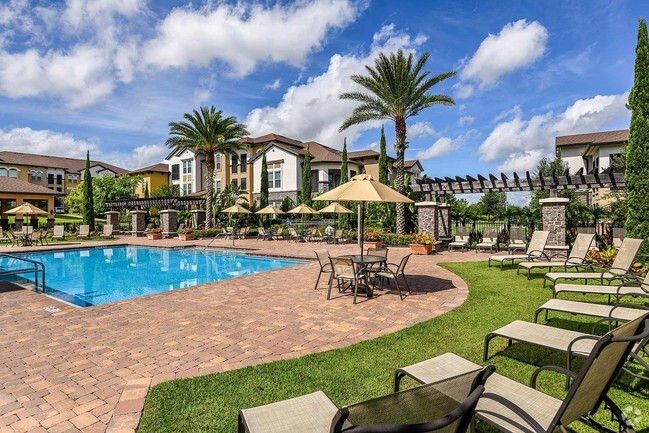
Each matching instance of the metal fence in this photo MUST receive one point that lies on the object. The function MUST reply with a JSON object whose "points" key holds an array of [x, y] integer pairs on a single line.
{"points": [[477, 228]]}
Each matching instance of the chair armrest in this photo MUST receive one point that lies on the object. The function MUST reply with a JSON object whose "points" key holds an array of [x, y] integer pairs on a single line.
{"points": [[541, 254], [578, 339], [625, 272], [554, 368]]}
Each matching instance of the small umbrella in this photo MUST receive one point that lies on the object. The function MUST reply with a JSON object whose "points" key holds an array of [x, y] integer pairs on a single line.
{"points": [[237, 208], [335, 208], [364, 188], [26, 209], [303, 210], [269, 210]]}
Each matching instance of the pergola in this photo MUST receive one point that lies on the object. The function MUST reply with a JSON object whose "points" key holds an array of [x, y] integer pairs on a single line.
{"points": [[158, 202]]}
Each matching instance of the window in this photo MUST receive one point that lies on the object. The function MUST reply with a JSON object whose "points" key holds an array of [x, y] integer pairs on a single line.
{"points": [[275, 175], [50, 178], [3, 172], [187, 166], [244, 185], [233, 164], [217, 185], [218, 162], [175, 172], [352, 173], [244, 162], [187, 188], [13, 173], [235, 182], [73, 178], [334, 178], [59, 180]]}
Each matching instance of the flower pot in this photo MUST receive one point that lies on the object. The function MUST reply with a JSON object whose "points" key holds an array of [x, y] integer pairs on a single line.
{"points": [[154, 236], [187, 237], [372, 244], [419, 249]]}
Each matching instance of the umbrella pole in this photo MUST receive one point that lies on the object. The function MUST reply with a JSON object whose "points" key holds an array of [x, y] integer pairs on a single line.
{"points": [[362, 236]]}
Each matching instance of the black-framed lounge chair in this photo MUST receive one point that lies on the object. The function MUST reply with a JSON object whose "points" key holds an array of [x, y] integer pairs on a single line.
{"points": [[619, 233], [279, 234], [13, 240], [461, 239], [633, 287], [517, 239], [534, 251], [44, 237], [107, 231], [243, 232], [224, 233], [84, 231], [35, 238], [610, 313], [58, 233], [344, 271], [294, 235], [576, 257], [619, 271], [446, 406], [489, 240], [512, 407], [325, 266], [3, 238], [261, 234], [392, 271]]}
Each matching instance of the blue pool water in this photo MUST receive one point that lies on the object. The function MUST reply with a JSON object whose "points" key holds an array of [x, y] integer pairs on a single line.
{"points": [[100, 275]]}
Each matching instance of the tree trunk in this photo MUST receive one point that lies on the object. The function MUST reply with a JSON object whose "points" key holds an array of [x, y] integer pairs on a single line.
{"points": [[400, 148], [209, 165]]}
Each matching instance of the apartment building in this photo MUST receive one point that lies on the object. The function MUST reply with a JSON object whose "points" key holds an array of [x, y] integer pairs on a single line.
{"points": [[152, 177]]}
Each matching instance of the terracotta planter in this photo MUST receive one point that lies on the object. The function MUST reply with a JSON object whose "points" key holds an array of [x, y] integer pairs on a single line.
{"points": [[419, 249], [372, 244], [187, 237], [154, 236]]}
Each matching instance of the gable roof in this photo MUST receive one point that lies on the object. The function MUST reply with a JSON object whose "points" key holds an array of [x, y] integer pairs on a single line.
{"points": [[155, 168], [11, 185], [72, 165], [606, 137]]}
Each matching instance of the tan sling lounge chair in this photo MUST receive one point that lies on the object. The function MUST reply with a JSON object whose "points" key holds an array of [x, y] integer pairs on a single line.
{"points": [[619, 271], [576, 257], [261, 234], [461, 239], [84, 231], [108, 231], [635, 288], [489, 240], [517, 240], [58, 233], [512, 407], [611, 313], [534, 251]]}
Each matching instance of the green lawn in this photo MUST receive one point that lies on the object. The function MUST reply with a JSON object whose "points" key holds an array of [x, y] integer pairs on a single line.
{"points": [[364, 370]]}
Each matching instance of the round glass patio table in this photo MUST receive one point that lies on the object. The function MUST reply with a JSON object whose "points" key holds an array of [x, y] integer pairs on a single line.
{"points": [[363, 262]]}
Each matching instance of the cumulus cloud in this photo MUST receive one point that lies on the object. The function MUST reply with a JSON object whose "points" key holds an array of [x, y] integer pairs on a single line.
{"points": [[313, 110], [517, 45], [274, 85], [242, 35], [420, 129], [445, 145], [520, 143], [145, 155], [465, 120]]}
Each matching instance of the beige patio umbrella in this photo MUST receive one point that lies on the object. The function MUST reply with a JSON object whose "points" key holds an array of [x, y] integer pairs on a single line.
{"points": [[26, 209], [335, 207], [237, 208], [364, 188], [303, 210], [269, 210]]}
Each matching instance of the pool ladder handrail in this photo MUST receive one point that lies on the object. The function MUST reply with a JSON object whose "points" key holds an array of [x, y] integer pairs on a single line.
{"points": [[35, 270]]}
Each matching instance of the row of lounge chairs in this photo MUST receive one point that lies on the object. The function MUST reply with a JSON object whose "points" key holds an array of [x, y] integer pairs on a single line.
{"points": [[33, 237], [312, 235]]}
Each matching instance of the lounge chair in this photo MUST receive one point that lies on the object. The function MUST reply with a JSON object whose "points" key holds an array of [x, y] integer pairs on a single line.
{"points": [[534, 251], [261, 234], [512, 407], [35, 238], [387, 273], [3, 238], [243, 232], [325, 266], [576, 257], [517, 239], [618, 236], [44, 236], [461, 240], [279, 234], [59, 233], [633, 287], [224, 233], [620, 270], [108, 231], [84, 231], [294, 236], [13, 240], [489, 240], [345, 271], [610, 313]]}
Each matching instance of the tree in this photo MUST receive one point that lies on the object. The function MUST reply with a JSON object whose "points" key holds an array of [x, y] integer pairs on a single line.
{"points": [[550, 167], [637, 151], [287, 204], [167, 190], [88, 202], [263, 192], [398, 89], [146, 190], [344, 177], [493, 204], [104, 188], [306, 177], [207, 132], [383, 160]]}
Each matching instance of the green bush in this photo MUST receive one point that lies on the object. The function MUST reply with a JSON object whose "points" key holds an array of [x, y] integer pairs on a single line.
{"points": [[210, 233], [394, 239]]}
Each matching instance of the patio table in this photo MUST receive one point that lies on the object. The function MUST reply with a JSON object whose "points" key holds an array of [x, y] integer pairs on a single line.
{"points": [[363, 262]]}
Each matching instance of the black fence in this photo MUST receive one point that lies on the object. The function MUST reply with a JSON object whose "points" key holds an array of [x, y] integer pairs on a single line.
{"points": [[477, 228]]}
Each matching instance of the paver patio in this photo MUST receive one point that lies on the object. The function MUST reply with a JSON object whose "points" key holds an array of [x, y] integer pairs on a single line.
{"points": [[89, 369]]}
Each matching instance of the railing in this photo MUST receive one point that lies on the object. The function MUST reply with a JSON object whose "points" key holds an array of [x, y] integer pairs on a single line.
{"points": [[38, 268]]}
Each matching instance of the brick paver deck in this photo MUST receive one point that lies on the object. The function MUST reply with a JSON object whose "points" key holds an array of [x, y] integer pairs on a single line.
{"points": [[89, 369]]}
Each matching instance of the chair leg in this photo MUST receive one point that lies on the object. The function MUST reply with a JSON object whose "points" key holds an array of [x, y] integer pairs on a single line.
{"points": [[396, 283], [317, 281], [407, 285], [331, 280], [355, 290]]}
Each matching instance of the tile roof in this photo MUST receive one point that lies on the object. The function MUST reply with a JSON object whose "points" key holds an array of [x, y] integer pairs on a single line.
{"points": [[155, 168], [605, 137], [270, 137], [11, 185], [72, 165], [362, 154]]}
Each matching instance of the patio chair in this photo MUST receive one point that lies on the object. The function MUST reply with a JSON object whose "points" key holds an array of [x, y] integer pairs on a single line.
{"points": [[294, 236], [576, 257], [58, 233], [610, 313], [13, 240], [339, 236], [3, 238], [386, 273], [35, 238], [512, 407], [279, 234], [633, 287], [620, 270], [461, 240], [325, 266], [619, 234], [108, 231], [44, 236], [517, 239], [345, 271], [84, 231], [224, 233], [261, 234], [534, 251], [489, 240], [243, 232], [447, 406]]}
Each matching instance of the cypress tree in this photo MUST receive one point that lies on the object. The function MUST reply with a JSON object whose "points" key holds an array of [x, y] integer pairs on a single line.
{"points": [[146, 190], [88, 200], [383, 160], [263, 191], [637, 151], [306, 177]]}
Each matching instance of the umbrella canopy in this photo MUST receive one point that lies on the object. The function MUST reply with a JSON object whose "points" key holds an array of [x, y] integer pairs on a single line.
{"points": [[335, 208], [364, 188], [270, 210], [237, 208], [304, 210], [26, 209]]}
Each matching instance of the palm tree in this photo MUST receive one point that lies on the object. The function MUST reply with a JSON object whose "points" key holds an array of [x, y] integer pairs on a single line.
{"points": [[207, 132], [398, 89]]}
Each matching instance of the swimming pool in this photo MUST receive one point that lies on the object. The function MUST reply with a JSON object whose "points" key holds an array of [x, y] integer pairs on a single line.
{"points": [[95, 276]]}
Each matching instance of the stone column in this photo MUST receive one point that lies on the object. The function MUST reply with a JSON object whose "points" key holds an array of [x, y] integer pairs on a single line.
{"points": [[553, 211], [169, 222], [428, 217], [198, 218], [112, 218], [444, 221], [138, 223], [19, 223], [50, 223]]}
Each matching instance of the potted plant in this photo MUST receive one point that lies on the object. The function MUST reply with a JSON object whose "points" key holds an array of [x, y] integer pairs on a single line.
{"points": [[372, 240], [154, 233], [422, 243], [186, 234]]}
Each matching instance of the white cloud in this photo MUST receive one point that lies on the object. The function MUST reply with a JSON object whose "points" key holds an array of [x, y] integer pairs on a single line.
{"points": [[463, 91], [242, 35], [465, 120], [145, 155], [420, 129], [274, 85], [313, 110], [445, 145], [521, 143], [518, 45]]}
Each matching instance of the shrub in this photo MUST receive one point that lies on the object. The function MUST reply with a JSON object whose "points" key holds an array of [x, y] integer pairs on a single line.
{"points": [[185, 231], [395, 239], [153, 231], [372, 237], [422, 238], [602, 258], [209, 233]]}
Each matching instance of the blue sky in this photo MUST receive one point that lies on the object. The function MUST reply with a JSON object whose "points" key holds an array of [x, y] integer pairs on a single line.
{"points": [[108, 75]]}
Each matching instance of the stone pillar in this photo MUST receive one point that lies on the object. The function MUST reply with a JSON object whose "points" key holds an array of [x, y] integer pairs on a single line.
{"points": [[138, 223], [444, 221], [198, 218], [553, 211], [4, 223], [112, 218], [169, 222], [19, 223], [427, 217], [50, 223]]}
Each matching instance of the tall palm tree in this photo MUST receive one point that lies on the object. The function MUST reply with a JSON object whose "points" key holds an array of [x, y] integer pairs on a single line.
{"points": [[398, 89], [207, 132]]}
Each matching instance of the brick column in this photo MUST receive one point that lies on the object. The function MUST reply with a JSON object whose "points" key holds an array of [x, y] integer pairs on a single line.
{"points": [[138, 223], [444, 221], [169, 222], [428, 217], [112, 218], [18, 223], [553, 211], [50, 223], [198, 217]]}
